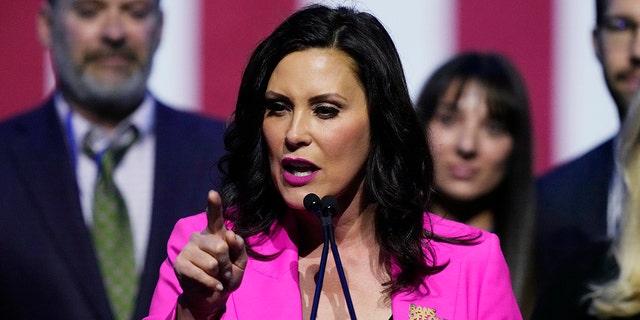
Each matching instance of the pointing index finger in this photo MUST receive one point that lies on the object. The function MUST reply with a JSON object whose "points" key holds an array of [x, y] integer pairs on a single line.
{"points": [[215, 223]]}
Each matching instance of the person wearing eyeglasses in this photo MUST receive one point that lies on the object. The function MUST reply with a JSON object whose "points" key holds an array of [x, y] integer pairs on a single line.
{"points": [[604, 283], [573, 209]]}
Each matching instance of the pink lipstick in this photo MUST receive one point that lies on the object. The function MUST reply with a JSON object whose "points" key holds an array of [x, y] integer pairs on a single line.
{"points": [[298, 172]]}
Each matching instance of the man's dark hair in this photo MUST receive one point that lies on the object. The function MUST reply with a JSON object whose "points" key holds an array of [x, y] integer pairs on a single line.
{"points": [[601, 7]]}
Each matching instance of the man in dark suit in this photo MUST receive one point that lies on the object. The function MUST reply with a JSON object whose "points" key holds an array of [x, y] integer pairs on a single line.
{"points": [[572, 201], [102, 53]]}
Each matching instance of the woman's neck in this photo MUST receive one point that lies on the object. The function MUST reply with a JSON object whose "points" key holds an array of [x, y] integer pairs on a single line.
{"points": [[351, 226], [359, 255], [478, 213]]}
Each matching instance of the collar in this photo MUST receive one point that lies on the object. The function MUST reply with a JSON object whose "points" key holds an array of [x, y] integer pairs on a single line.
{"points": [[143, 118]]}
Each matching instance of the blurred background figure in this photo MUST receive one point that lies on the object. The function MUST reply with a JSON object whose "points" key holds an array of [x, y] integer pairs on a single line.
{"points": [[475, 110], [93, 179], [604, 283]]}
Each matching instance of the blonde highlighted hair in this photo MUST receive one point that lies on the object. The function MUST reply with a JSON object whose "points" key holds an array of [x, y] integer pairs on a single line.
{"points": [[620, 297]]}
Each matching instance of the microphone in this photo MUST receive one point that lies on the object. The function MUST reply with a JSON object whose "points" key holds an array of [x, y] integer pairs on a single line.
{"points": [[329, 206], [324, 212], [325, 209], [313, 204]]}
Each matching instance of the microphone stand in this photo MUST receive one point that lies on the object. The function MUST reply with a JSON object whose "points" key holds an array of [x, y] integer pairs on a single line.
{"points": [[327, 234], [343, 279], [325, 211]]}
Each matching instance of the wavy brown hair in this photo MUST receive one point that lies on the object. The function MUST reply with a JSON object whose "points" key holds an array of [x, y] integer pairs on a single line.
{"points": [[399, 169]]}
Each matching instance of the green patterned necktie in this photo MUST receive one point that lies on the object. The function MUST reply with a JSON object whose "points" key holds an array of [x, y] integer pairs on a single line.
{"points": [[111, 229]]}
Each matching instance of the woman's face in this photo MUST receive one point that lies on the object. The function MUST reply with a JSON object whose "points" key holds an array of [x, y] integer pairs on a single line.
{"points": [[471, 150], [316, 125]]}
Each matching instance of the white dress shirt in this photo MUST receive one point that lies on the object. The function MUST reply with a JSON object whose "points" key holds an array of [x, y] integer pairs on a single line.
{"points": [[133, 175]]}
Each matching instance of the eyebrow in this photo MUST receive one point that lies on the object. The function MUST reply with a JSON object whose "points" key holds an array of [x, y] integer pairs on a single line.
{"points": [[270, 95], [621, 15], [332, 97]]}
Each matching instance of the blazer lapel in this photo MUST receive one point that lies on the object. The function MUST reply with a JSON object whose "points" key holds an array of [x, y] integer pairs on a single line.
{"points": [[256, 297]]}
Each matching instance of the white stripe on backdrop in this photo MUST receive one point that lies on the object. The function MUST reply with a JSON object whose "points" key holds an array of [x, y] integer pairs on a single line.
{"points": [[582, 109], [176, 74], [424, 32]]}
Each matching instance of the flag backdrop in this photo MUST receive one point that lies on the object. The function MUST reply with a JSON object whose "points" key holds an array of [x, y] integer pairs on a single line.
{"points": [[206, 43]]}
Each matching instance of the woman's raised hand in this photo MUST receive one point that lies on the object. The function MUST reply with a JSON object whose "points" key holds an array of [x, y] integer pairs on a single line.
{"points": [[210, 266]]}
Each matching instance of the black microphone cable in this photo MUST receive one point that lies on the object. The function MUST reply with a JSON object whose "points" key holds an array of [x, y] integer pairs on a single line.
{"points": [[325, 209], [313, 205], [330, 208]]}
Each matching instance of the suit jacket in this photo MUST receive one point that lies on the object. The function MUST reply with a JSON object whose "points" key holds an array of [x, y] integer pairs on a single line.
{"points": [[49, 268], [572, 207], [474, 285], [565, 295]]}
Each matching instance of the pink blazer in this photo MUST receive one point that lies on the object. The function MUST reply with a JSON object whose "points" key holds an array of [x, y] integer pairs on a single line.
{"points": [[475, 284]]}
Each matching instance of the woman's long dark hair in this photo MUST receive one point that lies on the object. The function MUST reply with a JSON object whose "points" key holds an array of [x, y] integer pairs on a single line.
{"points": [[398, 171], [507, 100]]}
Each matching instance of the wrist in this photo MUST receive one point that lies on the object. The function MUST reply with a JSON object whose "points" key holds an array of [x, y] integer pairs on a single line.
{"points": [[187, 309]]}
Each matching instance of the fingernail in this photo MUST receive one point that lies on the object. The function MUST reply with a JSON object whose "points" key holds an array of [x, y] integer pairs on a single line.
{"points": [[219, 287], [227, 275]]}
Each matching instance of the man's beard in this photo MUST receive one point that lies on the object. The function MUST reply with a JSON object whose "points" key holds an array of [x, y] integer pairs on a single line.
{"points": [[113, 100]]}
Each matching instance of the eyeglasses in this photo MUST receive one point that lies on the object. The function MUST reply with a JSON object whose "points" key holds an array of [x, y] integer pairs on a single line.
{"points": [[620, 29]]}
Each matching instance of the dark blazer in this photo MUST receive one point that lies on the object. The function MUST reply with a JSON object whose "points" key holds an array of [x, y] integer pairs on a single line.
{"points": [[49, 269], [564, 297], [572, 207]]}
